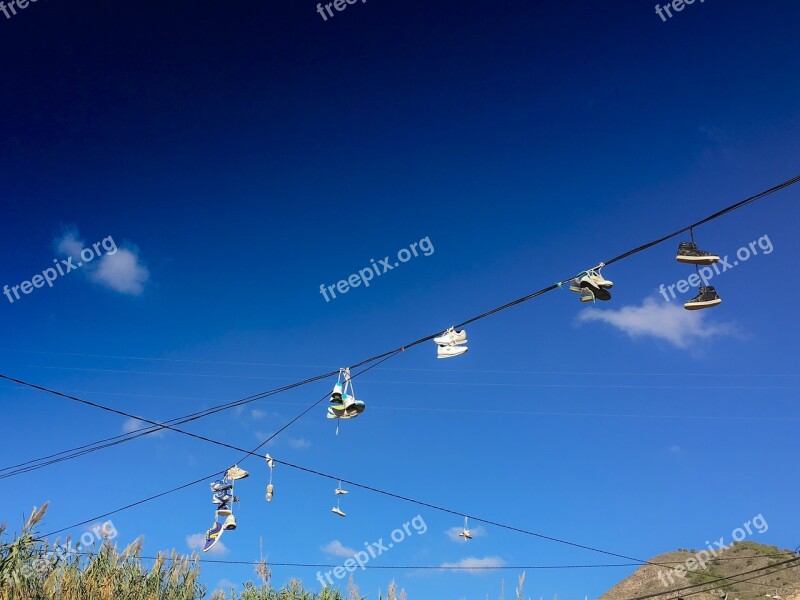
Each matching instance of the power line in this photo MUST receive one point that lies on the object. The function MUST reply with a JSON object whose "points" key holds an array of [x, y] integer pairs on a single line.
{"points": [[641, 248], [792, 562], [269, 563]]}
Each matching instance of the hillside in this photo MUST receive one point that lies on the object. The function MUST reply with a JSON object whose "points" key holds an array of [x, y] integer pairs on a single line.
{"points": [[742, 556]]}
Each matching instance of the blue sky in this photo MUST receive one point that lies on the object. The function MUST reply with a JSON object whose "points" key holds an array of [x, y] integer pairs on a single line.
{"points": [[240, 156]]}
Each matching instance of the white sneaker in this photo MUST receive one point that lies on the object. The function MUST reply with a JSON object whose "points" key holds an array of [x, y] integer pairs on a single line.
{"points": [[338, 511], [451, 337], [339, 491], [451, 351], [235, 473], [270, 489], [270, 461], [465, 534], [230, 523], [597, 280]]}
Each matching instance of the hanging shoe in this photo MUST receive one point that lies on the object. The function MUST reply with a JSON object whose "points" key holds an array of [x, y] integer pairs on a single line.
{"points": [[270, 461], [575, 285], [336, 395], [597, 284], [689, 253], [339, 491], [705, 299], [336, 412], [587, 295], [450, 351], [230, 523], [338, 511], [270, 489], [451, 337], [595, 281], [224, 510], [219, 486], [212, 536], [465, 534], [224, 499], [235, 473], [357, 407]]}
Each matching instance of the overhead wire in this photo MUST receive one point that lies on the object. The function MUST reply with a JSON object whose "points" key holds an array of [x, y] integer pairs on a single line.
{"points": [[557, 285]]}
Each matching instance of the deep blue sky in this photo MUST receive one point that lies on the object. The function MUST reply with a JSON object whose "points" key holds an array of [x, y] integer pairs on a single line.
{"points": [[241, 154]]}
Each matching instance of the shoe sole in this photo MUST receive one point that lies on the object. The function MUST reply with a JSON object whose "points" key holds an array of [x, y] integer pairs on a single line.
{"points": [[452, 355], [699, 305], [697, 260], [599, 293], [595, 288]]}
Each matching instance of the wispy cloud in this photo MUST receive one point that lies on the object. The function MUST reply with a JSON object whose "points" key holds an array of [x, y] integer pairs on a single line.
{"points": [[475, 566], [131, 425], [258, 414], [477, 531], [335, 548], [118, 269], [122, 272], [661, 320], [291, 442], [196, 541]]}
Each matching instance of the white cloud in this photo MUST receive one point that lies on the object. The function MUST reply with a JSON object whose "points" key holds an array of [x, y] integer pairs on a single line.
{"points": [[336, 548], [666, 321], [130, 425], [298, 443], [121, 272], [258, 414], [69, 244], [477, 531], [674, 449], [226, 585], [472, 565], [119, 269], [196, 541]]}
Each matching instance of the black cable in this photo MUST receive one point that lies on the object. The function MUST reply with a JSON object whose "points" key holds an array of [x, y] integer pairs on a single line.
{"points": [[720, 213], [641, 248], [792, 562], [737, 581]]}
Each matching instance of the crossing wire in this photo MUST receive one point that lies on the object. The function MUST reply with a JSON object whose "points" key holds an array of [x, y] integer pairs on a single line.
{"points": [[81, 450], [389, 354]]}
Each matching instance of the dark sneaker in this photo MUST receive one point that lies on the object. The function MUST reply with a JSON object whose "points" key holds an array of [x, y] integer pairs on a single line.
{"points": [[219, 486], [689, 253], [212, 536], [706, 298]]}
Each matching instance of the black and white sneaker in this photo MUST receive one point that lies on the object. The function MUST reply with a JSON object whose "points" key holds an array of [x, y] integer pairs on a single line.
{"points": [[689, 253], [706, 298]]}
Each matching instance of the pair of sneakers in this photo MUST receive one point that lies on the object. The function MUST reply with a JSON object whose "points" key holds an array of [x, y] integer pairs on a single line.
{"points": [[348, 407], [339, 492], [707, 296], [451, 343], [592, 286]]}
